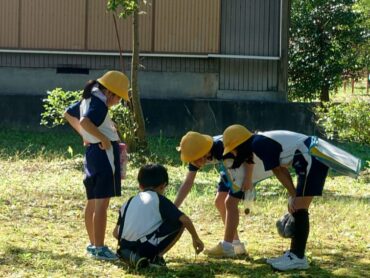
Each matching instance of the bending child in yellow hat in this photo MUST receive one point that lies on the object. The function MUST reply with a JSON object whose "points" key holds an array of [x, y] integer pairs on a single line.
{"points": [[310, 157], [198, 150]]}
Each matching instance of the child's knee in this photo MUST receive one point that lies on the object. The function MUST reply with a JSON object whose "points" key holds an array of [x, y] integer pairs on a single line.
{"points": [[219, 202], [231, 203]]}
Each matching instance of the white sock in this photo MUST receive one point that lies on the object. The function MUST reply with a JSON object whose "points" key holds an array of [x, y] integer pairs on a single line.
{"points": [[227, 245], [236, 241]]}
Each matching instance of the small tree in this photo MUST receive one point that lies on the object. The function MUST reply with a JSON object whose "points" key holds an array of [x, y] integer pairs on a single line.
{"points": [[127, 8], [324, 39]]}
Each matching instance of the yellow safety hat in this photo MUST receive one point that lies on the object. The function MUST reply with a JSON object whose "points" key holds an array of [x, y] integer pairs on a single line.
{"points": [[116, 82], [233, 136], [194, 145]]}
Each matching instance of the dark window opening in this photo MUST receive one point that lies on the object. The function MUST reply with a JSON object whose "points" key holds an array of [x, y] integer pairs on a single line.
{"points": [[72, 70]]}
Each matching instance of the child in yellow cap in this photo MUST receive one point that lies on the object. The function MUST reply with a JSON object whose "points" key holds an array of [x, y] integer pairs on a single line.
{"points": [[279, 150], [198, 150], [90, 118]]}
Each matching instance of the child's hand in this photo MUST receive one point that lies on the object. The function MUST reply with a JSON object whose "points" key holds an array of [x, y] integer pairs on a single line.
{"points": [[198, 245], [105, 144]]}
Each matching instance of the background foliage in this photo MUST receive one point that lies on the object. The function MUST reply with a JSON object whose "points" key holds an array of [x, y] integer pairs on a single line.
{"points": [[326, 37], [346, 121], [55, 104]]}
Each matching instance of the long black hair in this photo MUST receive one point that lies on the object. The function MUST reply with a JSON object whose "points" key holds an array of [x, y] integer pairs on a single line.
{"points": [[88, 87], [244, 154]]}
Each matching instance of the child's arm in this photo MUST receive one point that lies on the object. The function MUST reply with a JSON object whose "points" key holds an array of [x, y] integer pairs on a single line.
{"points": [[115, 231], [73, 121], [185, 188], [285, 179], [248, 182], [87, 125], [197, 243], [283, 175]]}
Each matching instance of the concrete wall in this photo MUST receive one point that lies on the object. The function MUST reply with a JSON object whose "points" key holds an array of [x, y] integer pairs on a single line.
{"points": [[163, 85], [175, 117], [179, 85]]}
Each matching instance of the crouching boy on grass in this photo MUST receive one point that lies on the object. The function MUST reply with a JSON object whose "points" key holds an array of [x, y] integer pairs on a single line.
{"points": [[149, 224]]}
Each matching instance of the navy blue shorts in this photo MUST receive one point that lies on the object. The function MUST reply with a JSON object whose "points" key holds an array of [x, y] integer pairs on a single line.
{"points": [[156, 242], [100, 180], [310, 182], [222, 187]]}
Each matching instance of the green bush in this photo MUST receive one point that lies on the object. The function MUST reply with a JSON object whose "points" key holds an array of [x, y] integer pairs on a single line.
{"points": [[347, 121], [58, 100], [126, 125], [55, 104]]}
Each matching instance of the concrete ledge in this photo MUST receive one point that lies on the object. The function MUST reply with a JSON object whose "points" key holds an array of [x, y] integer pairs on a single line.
{"points": [[252, 95], [175, 117]]}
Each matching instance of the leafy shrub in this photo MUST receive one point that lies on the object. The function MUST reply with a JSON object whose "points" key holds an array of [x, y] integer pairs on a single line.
{"points": [[126, 125], [58, 100], [347, 121], [55, 104]]}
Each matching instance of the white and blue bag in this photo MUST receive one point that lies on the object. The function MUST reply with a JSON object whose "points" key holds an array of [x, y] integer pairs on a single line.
{"points": [[335, 158]]}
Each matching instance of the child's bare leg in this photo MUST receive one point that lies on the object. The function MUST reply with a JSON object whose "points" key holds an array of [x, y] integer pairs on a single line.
{"points": [[89, 220], [172, 243], [100, 220], [231, 219], [220, 204]]}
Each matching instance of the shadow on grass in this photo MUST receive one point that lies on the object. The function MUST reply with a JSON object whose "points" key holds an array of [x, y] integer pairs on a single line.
{"points": [[335, 265], [245, 267], [344, 264], [30, 258]]}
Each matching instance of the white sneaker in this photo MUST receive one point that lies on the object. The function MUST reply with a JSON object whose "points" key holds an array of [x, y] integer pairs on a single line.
{"points": [[239, 249], [272, 260], [218, 251], [289, 262]]}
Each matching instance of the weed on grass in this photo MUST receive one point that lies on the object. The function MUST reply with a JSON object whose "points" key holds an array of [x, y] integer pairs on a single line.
{"points": [[42, 230]]}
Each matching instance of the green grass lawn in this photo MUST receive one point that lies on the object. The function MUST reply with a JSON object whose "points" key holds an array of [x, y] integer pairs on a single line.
{"points": [[42, 232]]}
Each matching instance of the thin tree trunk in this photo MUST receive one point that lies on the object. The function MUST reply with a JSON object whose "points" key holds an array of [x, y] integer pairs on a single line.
{"points": [[139, 117], [353, 86], [367, 81], [345, 86], [119, 44], [130, 105], [324, 96]]}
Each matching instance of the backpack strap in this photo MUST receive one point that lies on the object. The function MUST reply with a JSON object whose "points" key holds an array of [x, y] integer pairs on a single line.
{"points": [[122, 220]]}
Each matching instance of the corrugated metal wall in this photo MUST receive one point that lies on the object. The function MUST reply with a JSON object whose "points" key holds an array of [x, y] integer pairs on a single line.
{"points": [[9, 23], [155, 64], [236, 27], [187, 26], [249, 27], [52, 24], [101, 34], [178, 26]]}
